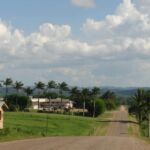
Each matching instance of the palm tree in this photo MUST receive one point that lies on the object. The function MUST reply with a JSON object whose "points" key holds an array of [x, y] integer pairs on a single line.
{"points": [[7, 82], [147, 101], [108, 95], [95, 92], [51, 85], [1, 85], [85, 96], [62, 87], [39, 86], [75, 94], [28, 91], [18, 86], [139, 98]]}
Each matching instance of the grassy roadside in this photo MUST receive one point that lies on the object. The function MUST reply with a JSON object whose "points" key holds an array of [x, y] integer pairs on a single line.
{"points": [[101, 127], [33, 125], [134, 129]]}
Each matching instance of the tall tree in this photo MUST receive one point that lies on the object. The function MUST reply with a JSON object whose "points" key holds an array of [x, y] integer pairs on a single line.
{"points": [[76, 96], [74, 93], [147, 101], [138, 103], [39, 86], [51, 85], [7, 83], [85, 96], [18, 86], [108, 95], [28, 91], [95, 93], [62, 87]]}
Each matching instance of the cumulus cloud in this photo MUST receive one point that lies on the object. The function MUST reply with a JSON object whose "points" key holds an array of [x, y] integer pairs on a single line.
{"points": [[125, 16], [143, 5], [84, 3], [114, 51]]}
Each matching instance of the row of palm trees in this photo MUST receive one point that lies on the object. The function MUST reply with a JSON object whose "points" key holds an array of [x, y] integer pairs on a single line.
{"points": [[39, 86], [75, 93], [85, 95], [18, 85]]}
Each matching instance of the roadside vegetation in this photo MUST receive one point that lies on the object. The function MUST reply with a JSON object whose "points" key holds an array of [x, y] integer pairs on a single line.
{"points": [[92, 102], [20, 125], [139, 106]]}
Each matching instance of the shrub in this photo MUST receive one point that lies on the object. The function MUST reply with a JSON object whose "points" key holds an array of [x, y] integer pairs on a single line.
{"points": [[110, 104], [144, 128], [99, 107], [18, 102]]}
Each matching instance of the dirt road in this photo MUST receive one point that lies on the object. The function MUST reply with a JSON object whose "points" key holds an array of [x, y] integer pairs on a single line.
{"points": [[116, 139], [119, 123]]}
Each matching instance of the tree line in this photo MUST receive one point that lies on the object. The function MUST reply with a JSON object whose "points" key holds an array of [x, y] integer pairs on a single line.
{"points": [[90, 99], [139, 105]]}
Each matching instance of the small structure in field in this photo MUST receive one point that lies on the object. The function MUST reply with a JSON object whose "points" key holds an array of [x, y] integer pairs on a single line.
{"points": [[2, 107]]}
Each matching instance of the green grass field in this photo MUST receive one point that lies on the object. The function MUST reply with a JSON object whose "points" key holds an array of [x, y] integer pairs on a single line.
{"points": [[31, 125]]}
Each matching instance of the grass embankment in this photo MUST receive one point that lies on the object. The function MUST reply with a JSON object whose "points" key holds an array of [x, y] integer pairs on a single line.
{"points": [[134, 129], [31, 125]]}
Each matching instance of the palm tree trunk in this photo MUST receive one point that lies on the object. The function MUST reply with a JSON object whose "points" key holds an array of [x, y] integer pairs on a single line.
{"points": [[84, 108], [49, 103], [61, 107], [17, 101], [38, 100], [6, 92], [93, 108]]}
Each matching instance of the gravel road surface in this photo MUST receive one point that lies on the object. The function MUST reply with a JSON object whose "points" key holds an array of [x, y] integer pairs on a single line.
{"points": [[116, 139]]}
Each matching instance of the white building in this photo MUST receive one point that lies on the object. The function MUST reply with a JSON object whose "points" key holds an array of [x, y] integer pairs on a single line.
{"points": [[45, 103]]}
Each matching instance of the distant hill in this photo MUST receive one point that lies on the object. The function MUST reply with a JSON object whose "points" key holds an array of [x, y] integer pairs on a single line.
{"points": [[119, 91]]}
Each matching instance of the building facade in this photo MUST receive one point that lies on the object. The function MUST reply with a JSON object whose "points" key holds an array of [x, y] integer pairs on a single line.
{"points": [[57, 103]]}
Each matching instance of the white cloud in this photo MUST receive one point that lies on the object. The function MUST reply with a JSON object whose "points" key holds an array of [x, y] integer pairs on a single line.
{"points": [[110, 54], [126, 17], [143, 5], [83, 3], [2, 66]]}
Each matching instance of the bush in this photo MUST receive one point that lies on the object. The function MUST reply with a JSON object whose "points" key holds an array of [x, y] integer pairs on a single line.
{"points": [[18, 102], [110, 104], [99, 107], [144, 128]]}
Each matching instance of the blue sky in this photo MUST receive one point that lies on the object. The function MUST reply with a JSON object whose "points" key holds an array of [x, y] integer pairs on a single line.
{"points": [[82, 42], [28, 15]]}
